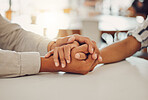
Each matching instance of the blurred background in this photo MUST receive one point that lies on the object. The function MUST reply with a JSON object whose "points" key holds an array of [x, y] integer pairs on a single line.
{"points": [[105, 21]]}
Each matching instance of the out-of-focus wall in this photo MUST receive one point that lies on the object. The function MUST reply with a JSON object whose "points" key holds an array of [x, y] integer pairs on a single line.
{"points": [[51, 15]]}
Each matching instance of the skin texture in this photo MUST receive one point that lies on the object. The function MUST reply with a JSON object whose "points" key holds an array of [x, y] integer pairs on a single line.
{"points": [[118, 51], [76, 66], [110, 54], [61, 49], [71, 39], [85, 40], [62, 54]]}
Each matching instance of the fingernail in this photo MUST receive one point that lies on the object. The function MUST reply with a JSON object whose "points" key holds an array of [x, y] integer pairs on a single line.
{"points": [[68, 61], [63, 65], [77, 56], [56, 64], [100, 58], [95, 56], [92, 50]]}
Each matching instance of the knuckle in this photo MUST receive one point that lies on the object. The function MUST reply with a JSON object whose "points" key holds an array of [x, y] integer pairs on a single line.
{"points": [[67, 55], [86, 46], [76, 43], [68, 45], [94, 42], [86, 38], [66, 48], [60, 48], [56, 48]]}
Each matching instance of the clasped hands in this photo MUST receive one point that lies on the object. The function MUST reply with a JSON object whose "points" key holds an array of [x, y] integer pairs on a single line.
{"points": [[74, 54]]}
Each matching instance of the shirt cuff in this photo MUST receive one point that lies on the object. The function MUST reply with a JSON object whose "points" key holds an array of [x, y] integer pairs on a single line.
{"points": [[141, 34], [29, 63]]}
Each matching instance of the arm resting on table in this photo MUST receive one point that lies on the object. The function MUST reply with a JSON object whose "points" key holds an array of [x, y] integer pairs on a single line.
{"points": [[120, 50], [14, 64], [13, 37]]}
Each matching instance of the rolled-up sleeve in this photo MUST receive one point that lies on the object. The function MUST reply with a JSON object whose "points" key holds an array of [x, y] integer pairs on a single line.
{"points": [[13, 37], [14, 64], [20, 50], [141, 34]]}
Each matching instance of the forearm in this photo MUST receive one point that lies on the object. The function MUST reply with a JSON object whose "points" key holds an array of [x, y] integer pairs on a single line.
{"points": [[120, 50], [28, 42], [13, 37]]}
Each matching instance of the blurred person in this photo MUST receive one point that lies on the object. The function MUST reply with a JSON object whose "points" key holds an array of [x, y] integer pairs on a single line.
{"points": [[90, 7], [139, 7]]}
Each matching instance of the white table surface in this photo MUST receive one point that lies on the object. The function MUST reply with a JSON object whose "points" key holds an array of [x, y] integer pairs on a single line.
{"points": [[125, 80]]}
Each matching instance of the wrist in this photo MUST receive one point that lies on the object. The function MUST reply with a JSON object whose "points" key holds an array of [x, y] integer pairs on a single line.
{"points": [[44, 67], [47, 65]]}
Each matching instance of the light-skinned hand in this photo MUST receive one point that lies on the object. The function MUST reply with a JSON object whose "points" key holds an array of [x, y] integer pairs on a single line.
{"points": [[61, 55]]}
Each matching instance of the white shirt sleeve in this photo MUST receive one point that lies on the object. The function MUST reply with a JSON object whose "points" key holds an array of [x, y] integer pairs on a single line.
{"points": [[26, 49], [141, 34], [14, 64], [13, 37]]}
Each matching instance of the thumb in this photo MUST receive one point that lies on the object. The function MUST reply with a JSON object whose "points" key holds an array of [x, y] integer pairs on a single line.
{"points": [[80, 56], [81, 49]]}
